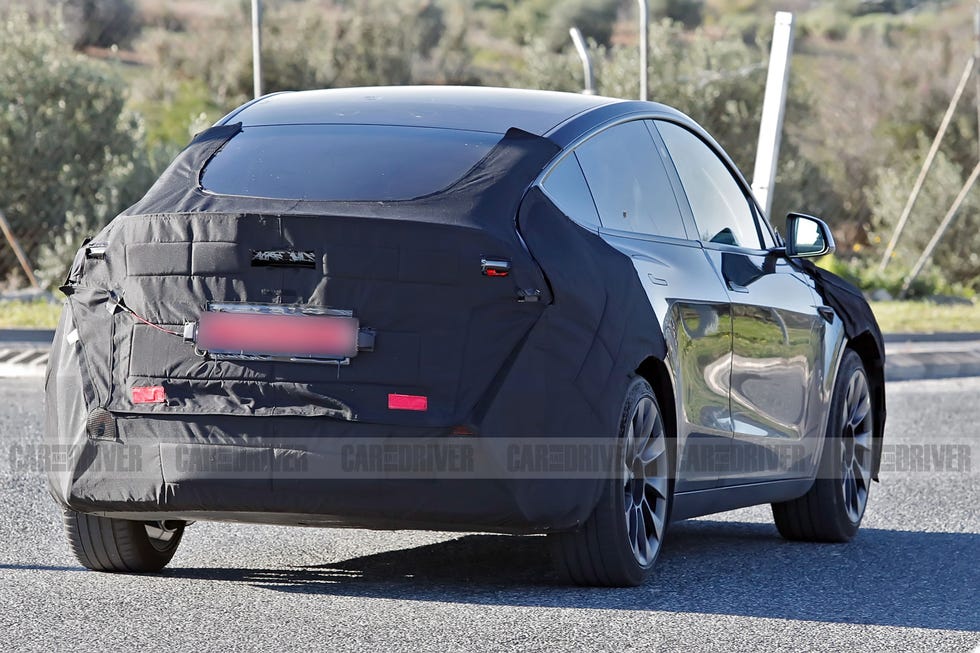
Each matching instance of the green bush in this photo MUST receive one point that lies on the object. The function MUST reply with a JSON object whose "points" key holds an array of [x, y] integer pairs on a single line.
{"points": [[863, 272], [547, 21], [956, 261], [825, 21], [70, 156]]}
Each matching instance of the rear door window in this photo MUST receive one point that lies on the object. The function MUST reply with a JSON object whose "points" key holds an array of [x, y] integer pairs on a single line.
{"points": [[629, 182], [344, 162]]}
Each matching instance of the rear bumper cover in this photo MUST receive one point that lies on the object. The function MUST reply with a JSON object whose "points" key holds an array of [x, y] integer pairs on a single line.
{"points": [[295, 470], [320, 485]]}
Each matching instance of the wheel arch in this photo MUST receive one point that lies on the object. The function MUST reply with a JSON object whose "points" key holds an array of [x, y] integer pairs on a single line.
{"points": [[657, 374], [866, 347]]}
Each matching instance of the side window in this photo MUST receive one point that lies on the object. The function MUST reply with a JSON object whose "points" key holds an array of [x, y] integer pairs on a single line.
{"points": [[629, 182], [721, 210], [566, 187]]}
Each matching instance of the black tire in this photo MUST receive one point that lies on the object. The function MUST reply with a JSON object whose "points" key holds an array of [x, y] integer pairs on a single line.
{"points": [[604, 551], [121, 545], [833, 508]]}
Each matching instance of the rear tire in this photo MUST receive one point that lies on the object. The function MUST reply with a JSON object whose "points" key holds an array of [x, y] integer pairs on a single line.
{"points": [[833, 508], [121, 545], [619, 543]]}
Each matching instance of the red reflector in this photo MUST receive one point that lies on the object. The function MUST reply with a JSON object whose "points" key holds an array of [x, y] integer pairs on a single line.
{"points": [[151, 394], [496, 273], [407, 402], [265, 334]]}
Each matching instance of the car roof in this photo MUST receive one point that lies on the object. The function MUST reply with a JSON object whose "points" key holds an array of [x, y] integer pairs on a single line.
{"points": [[452, 107]]}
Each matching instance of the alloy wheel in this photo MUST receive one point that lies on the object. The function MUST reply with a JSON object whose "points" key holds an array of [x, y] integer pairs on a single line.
{"points": [[646, 483], [856, 443]]}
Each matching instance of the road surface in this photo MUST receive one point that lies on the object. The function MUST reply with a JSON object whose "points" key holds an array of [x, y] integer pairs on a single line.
{"points": [[910, 581]]}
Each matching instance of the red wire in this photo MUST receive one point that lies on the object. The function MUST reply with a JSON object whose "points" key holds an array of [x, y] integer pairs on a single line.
{"points": [[155, 326]]}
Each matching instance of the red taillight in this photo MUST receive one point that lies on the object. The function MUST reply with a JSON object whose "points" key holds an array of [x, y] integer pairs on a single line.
{"points": [[408, 402], [151, 394]]}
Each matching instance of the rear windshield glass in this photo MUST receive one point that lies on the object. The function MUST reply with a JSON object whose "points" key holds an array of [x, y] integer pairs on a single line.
{"points": [[344, 162]]}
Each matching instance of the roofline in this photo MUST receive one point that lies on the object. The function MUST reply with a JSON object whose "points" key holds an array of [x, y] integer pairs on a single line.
{"points": [[598, 101]]}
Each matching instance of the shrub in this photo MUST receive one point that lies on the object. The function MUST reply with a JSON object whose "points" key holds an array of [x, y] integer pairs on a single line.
{"points": [[548, 21], [956, 260], [70, 156], [309, 45]]}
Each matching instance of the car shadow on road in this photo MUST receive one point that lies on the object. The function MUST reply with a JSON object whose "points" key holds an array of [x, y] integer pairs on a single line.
{"points": [[883, 577]]}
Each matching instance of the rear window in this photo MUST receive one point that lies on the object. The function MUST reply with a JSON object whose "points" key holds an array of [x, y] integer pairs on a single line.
{"points": [[344, 162]]}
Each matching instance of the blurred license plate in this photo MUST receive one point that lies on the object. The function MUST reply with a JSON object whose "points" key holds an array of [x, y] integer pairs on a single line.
{"points": [[300, 335]]}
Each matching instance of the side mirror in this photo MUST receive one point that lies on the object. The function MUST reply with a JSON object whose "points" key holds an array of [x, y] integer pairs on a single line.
{"points": [[808, 237]]}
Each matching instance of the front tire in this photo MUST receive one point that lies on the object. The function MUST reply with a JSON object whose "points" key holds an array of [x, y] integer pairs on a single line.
{"points": [[833, 508], [619, 543], [121, 545]]}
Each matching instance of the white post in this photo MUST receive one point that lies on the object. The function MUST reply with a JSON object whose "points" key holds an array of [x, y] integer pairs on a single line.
{"points": [[257, 47], [644, 48], [773, 109], [583, 54]]}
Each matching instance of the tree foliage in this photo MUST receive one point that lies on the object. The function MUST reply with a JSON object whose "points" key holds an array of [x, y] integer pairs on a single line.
{"points": [[70, 156], [359, 43], [959, 254], [548, 21]]}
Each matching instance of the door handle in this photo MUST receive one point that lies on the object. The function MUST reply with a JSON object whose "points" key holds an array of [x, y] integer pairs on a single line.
{"points": [[827, 313]]}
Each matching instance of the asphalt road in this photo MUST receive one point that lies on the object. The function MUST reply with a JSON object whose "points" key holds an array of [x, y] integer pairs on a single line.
{"points": [[910, 581]]}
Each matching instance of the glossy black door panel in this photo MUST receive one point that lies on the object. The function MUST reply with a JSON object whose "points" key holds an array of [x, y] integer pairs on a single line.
{"points": [[776, 347]]}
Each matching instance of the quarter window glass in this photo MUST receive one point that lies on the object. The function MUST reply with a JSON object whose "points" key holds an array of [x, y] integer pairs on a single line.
{"points": [[629, 182], [721, 210], [566, 187]]}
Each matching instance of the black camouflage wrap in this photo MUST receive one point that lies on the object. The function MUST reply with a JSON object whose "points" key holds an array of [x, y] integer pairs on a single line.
{"points": [[861, 326]]}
